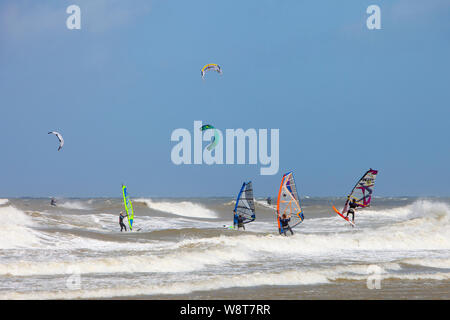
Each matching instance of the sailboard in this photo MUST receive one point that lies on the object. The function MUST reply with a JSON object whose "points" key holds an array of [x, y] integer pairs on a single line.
{"points": [[343, 217], [245, 204], [128, 207], [288, 202], [361, 192]]}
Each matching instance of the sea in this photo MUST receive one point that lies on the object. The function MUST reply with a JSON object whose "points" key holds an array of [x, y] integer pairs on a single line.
{"points": [[180, 249]]}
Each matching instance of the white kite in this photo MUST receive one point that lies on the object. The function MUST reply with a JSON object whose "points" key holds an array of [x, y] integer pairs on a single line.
{"points": [[60, 138], [211, 66]]}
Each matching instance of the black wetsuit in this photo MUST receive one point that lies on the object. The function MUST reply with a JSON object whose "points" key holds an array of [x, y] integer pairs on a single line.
{"points": [[240, 220], [351, 210], [122, 225], [285, 225]]}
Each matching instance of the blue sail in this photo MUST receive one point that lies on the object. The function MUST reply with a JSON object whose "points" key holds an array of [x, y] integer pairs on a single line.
{"points": [[245, 204]]}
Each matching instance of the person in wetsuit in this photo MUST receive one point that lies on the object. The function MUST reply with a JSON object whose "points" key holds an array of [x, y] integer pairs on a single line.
{"points": [[269, 201], [53, 202], [122, 225], [352, 208], [241, 222], [238, 221], [284, 221]]}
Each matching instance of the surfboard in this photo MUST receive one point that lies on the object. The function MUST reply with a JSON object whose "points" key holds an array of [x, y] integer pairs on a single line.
{"points": [[229, 227], [342, 216], [128, 231]]}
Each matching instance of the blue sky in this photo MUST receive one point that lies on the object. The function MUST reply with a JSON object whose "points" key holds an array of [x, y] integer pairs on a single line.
{"points": [[345, 98]]}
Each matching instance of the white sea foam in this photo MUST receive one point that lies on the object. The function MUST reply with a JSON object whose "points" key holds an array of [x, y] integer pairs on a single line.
{"points": [[181, 287], [183, 208], [15, 229], [185, 261], [3, 201], [265, 204], [418, 209], [430, 231], [412, 235], [432, 263], [287, 278], [77, 205]]}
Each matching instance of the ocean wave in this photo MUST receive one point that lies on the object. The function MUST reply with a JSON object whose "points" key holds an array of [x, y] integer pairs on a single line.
{"points": [[15, 229], [181, 287], [73, 205], [183, 208], [431, 263], [417, 209], [291, 277], [186, 261], [3, 201], [429, 231], [265, 204]]}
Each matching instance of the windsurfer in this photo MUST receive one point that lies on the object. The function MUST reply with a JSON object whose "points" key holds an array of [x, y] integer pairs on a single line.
{"points": [[122, 225], [238, 220], [352, 207], [285, 224], [241, 222]]}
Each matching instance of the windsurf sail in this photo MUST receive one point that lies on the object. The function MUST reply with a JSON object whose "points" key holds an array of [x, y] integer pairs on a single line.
{"points": [[245, 204], [128, 207], [362, 191], [288, 202]]}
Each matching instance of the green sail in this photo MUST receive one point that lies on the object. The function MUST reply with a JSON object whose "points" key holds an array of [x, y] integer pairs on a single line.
{"points": [[128, 206]]}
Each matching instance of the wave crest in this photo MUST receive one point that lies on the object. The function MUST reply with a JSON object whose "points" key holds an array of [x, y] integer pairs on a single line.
{"points": [[183, 208]]}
